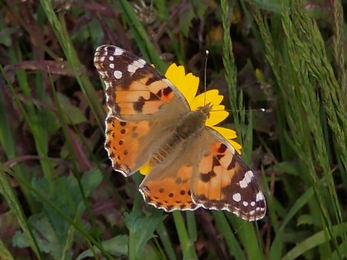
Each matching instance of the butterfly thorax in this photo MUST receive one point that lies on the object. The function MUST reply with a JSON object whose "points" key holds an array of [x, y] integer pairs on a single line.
{"points": [[189, 125]]}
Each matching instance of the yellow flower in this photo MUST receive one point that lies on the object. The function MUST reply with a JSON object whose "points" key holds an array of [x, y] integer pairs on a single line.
{"points": [[188, 86]]}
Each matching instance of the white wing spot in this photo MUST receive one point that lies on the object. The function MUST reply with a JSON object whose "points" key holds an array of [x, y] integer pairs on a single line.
{"points": [[118, 51], [111, 58], [237, 197], [141, 61], [137, 64], [247, 179], [132, 68], [237, 213], [245, 203], [117, 74], [252, 203], [259, 196], [111, 65]]}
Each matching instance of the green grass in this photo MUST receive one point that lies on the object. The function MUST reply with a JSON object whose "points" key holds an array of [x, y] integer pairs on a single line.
{"points": [[60, 198]]}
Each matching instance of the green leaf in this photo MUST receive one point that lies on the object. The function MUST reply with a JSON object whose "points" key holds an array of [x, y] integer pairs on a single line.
{"points": [[116, 246], [141, 229], [307, 219], [4, 253], [190, 10], [288, 167], [317, 239], [44, 235], [71, 113], [53, 231], [276, 247], [269, 5]]}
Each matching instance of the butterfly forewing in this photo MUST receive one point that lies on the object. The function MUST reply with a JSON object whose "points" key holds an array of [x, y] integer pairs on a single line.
{"points": [[139, 99], [224, 181], [134, 89]]}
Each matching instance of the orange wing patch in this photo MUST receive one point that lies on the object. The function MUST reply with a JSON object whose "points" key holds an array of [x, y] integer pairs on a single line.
{"points": [[135, 91], [140, 97], [122, 144], [226, 183], [170, 193], [214, 175]]}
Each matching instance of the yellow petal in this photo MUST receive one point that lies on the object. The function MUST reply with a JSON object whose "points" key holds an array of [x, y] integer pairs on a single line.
{"points": [[187, 84], [144, 170], [175, 73], [226, 132], [209, 97], [236, 145], [218, 108], [216, 117]]}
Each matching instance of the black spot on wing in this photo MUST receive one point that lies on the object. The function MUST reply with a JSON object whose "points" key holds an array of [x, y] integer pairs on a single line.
{"points": [[108, 144], [158, 204], [138, 105], [178, 180], [215, 160], [153, 79], [222, 148], [167, 91], [164, 92], [147, 71], [206, 177], [169, 208], [232, 163]]}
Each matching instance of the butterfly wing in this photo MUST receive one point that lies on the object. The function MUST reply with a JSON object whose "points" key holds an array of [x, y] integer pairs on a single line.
{"points": [[122, 139], [205, 172], [130, 145], [136, 91], [224, 182], [201, 171], [167, 186], [143, 106]]}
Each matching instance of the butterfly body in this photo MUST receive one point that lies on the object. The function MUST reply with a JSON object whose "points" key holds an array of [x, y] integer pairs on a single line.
{"points": [[151, 123], [189, 126]]}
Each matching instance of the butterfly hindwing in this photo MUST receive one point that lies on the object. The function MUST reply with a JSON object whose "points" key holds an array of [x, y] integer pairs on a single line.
{"points": [[168, 188], [213, 177]]}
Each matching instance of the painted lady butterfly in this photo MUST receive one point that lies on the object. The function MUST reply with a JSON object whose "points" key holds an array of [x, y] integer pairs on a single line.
{"points": [[149, 120]]}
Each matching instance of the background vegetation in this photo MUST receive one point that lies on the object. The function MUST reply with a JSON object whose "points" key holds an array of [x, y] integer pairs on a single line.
{"points": [[281, 66]]}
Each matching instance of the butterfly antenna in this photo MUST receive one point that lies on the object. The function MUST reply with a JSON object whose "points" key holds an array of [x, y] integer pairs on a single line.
{"points": [[205, 74]]}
